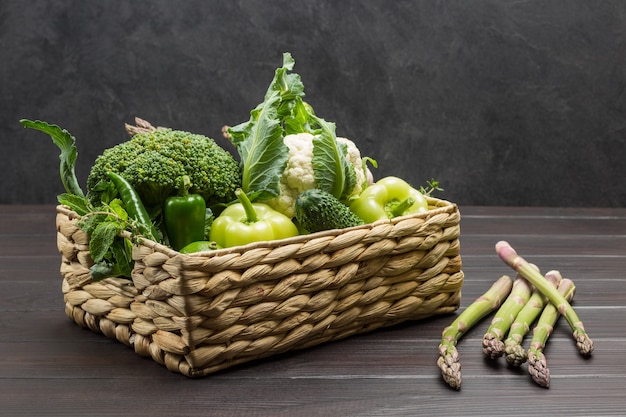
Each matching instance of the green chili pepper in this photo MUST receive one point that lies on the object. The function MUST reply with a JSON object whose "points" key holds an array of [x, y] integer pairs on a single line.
{"points": [[245, 222], [184, 216], [133, 204], [389, 197]]}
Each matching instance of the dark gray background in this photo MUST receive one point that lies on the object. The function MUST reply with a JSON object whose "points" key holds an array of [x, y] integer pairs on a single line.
{"points": [[504, 102]]}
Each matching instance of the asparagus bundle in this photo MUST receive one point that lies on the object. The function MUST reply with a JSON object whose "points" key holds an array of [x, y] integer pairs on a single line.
{"points": [[448, 360], [537, 364], [493, 346], [514, 351], [519, 264]]}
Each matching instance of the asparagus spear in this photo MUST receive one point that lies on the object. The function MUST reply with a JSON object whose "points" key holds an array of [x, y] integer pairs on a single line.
{"points": [[493, 346], [448, 360], [537, 365], [513, 349], [511, 258]]}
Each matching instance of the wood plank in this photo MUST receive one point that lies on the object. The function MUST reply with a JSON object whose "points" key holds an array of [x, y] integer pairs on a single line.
{"points": [[50, 366], [360, 396], [27, 219]]}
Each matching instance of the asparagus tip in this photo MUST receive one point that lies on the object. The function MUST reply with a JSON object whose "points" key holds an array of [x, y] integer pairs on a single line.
{"points": [[515, 354], [493, 347], [583, 343], [538, 369], [450, 366]]}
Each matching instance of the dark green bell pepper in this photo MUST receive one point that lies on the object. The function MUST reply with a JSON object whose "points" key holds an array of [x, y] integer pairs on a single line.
{"points": [[184, 216]]}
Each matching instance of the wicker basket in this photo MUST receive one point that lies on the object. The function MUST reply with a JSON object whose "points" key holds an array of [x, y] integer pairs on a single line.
{"points": [[200, 313]]}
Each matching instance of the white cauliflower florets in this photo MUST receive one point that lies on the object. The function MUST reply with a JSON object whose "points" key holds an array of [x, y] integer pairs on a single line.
{"points": [[299, 176], [354, 156]]}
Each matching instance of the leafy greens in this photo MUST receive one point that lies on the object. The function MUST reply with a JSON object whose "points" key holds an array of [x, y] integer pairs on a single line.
{"points": [[111, 253], [263, 153]]}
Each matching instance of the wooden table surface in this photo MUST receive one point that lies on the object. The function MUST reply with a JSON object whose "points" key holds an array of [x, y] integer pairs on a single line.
{"points": [[50, 366]]}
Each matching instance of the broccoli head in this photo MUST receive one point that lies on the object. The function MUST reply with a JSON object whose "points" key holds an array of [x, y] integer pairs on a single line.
{"points": [[154, 162]]}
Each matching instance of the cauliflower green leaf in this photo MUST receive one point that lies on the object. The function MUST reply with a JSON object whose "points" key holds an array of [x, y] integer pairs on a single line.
{"points": [[333, 171], [259, 141], [262, 151]]}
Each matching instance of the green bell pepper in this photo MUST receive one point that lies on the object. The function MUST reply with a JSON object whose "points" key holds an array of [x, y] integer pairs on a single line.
{"points": [[184, 216], [389, 197], [246, 222]]}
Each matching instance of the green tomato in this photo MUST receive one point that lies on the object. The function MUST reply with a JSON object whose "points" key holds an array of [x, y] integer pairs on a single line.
{"points": [[389, 197], [200, 246]]}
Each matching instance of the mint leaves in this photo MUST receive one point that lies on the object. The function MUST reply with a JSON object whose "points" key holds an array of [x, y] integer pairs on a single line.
{"points": [[111, 253]]}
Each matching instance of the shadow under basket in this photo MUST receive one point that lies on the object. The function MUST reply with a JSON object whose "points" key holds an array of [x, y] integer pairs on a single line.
{"points": [[200, 313]]}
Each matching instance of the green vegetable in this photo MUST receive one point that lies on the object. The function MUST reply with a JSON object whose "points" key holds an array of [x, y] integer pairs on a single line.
{"points": [[515, 352], [318, 210], [111, 254], [432, 185], [334, 173], [448, 360], [389, 197], [69, 153], [493, 345], [184, 216], [519, 264], [259, 141], [200, 246], [285, 148], [244, 222], [307, 169], [134, 205], [153, 162], [537, 364]]}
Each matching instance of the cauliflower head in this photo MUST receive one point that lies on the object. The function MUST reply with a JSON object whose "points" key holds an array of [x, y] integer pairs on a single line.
{"points": [[299, 174], [154, 161]]}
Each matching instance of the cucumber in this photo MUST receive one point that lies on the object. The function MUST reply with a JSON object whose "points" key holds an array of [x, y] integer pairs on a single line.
{"points": [[318, 210]]}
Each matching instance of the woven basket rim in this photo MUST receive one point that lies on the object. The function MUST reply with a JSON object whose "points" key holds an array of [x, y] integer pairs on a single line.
{"points": [[436, 206]]}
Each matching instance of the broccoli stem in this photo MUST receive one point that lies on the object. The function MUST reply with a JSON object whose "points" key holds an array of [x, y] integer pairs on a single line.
{"points": [[448, 360], [537, 364], [513, 349], [519, 264], [493, 346]]}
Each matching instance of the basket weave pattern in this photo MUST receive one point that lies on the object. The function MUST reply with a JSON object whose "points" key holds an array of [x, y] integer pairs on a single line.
{"points": [[200, 313]]}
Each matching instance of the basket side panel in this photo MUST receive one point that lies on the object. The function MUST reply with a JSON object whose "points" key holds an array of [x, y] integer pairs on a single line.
{"points": [[104, 306], [261, 303]]}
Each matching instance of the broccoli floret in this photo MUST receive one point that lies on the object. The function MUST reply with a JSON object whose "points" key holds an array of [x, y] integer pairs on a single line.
{"points": [[153, 162]]}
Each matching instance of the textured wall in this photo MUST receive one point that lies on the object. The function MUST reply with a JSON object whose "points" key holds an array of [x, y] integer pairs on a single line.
{"points": [[504, 102]]}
